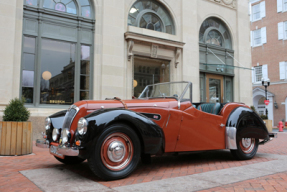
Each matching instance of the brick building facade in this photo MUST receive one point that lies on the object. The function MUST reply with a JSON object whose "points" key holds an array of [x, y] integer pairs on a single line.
{"points": [[268, 25]]}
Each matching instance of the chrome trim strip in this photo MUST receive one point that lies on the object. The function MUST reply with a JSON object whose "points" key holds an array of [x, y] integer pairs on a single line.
{"points": [[42, 143], [230, 136]]}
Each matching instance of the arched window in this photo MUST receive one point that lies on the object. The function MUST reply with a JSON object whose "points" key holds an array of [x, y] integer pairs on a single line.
{"points": [[216, 62], [151, 15], [214, 31], [66, 6], [57, 51]]}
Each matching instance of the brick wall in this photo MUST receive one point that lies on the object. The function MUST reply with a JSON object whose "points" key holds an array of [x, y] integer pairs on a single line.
{"points": [[271, 53]]}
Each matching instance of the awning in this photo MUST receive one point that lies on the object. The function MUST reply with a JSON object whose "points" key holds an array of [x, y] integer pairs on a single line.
{"points": [[224, 65]]}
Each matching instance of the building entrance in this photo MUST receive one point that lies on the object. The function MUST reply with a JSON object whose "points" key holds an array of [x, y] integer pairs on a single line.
{"points": [[214, 88], [149, 71]]}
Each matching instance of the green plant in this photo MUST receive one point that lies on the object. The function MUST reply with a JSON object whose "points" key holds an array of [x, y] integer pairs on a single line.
{"points": [[263, 116], [253, 108], [16, 111]]}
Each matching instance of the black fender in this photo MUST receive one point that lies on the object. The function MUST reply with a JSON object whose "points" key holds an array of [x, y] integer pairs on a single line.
{"points": [[247, 123], [150, 134], [57, 120]]}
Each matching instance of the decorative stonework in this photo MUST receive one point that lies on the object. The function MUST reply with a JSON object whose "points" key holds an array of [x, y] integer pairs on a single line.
{"points": [[177, 54], [154, 51], [130, 49], [228, 3]]}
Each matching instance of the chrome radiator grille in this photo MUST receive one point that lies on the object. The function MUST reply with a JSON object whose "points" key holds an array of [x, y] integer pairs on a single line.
{"points": [[70, 115]]}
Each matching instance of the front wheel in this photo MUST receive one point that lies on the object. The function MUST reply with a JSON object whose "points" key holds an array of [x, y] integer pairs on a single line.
{"points": [[116, 153], [246, 148]]}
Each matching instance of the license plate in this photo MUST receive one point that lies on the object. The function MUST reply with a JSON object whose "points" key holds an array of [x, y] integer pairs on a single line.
{"points": [[54, 151]]}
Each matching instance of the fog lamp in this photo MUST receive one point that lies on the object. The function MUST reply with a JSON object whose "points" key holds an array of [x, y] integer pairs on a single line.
{"points": [[65, 135], [55, 134]]}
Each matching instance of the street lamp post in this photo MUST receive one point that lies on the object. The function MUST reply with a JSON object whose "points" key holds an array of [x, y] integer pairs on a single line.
{"points": [[266, 84]]}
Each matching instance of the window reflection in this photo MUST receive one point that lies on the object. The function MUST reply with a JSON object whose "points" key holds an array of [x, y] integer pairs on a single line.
{"points": [[57, 72], [28, 66], [148, 71], [85, 72]]}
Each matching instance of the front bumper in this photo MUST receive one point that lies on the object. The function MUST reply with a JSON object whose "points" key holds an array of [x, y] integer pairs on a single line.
{"points": [[58, 150], [271, 136]]}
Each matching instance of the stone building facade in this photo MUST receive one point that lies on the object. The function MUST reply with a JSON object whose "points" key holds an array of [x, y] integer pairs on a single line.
{"points": [[268, 49], [56, 52]]}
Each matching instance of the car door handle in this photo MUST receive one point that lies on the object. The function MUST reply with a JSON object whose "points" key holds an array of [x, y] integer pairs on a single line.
{"points": [[222, 125]]}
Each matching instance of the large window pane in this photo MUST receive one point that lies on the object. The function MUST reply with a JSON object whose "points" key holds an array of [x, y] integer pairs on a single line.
{"points": [[57, 72], [85, 72], [85, 83], [28, 68], [148, 71]]}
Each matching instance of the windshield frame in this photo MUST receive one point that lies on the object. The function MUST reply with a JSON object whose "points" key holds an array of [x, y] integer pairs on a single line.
{"points": [[179, 99]]}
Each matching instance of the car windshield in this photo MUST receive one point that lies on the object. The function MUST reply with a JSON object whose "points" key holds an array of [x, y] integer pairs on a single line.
{"points": [[171, 89]]}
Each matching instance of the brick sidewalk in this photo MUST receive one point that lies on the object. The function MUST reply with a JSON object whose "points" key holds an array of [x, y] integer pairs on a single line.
{"points": [[276, 182], [161, 168]]}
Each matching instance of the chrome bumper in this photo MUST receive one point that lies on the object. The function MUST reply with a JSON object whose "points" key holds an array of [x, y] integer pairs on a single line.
{"points": [[59, 151], [67, 151], [42, 143]]}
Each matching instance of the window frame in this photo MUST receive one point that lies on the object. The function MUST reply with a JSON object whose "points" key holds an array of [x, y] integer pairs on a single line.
{"points": [[256, 68], [253, 13], [78, 41], [256, 45]]}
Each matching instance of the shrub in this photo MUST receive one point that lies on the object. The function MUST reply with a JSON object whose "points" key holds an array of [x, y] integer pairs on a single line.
{"points": [[16, 111], [263, 116]]}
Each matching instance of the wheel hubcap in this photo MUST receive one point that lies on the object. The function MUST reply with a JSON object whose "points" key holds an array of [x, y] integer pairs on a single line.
{"points": [[117, 151], [247, 144]]}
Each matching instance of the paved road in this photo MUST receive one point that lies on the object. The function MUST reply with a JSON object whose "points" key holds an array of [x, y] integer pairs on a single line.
{"points": [[209, 171]]}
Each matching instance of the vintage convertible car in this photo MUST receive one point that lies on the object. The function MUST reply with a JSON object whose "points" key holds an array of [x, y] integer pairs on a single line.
{"points": [[115, 134]]}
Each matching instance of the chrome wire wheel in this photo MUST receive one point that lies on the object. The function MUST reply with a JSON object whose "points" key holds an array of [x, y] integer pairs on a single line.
{"points": [[247, 145], [117, 151]]}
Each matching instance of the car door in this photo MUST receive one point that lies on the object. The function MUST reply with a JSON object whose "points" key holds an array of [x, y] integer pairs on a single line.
{"points": [[200, 131]]}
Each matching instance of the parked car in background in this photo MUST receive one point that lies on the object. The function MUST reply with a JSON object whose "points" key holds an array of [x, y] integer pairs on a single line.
{"points": [[114, 134]]}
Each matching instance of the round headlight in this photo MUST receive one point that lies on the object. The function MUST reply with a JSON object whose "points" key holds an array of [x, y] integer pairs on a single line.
{"points": [[82, 126], [65, 136], [55, 134], [47, 123]]}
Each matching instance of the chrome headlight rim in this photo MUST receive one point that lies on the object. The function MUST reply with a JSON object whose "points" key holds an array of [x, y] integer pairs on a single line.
{"points": [[55, 134], [48, 122], [82, 126]]}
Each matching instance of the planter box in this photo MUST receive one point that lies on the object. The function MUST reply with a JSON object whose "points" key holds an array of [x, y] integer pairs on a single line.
{"points": [[15, 138], [268, 124]]}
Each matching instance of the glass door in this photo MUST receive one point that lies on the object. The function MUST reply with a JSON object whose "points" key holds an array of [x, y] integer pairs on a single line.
{"points": [[214, 88]]}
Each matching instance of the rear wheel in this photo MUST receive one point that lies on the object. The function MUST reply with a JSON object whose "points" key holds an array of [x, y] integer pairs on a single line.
{"points": [[70, 160], [246, 148], [116, 153]]}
